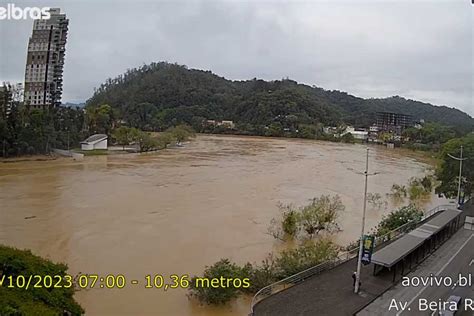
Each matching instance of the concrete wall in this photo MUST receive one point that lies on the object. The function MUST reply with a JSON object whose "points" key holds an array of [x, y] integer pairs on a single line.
{"points": [[87, 146], [99, 145]]}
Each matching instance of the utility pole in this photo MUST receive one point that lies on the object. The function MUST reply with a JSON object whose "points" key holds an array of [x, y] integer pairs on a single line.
{"points": [[460, 159], [361, 242]]}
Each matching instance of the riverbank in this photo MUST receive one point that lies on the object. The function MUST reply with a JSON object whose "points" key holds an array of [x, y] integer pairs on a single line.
{"points": [[427, 155]]}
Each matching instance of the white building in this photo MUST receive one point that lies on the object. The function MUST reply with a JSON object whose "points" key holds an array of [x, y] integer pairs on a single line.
{"points": [[358, 134], [97, 141]]}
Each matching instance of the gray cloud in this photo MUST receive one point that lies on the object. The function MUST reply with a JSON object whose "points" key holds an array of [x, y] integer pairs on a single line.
{"points": [[417, 49]]}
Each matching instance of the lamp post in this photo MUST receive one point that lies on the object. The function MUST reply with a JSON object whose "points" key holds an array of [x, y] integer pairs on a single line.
{"points": [[460, 159], [361, 242]]}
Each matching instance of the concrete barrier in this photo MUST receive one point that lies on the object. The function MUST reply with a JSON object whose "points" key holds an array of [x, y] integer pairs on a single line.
{"points": [[68, 153]]}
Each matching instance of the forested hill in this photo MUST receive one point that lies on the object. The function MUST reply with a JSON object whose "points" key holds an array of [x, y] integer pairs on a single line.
{"points": [[158, 95]]}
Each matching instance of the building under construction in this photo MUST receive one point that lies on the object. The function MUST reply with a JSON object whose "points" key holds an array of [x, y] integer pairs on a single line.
{"points": [[393, 122], [45, 61]]}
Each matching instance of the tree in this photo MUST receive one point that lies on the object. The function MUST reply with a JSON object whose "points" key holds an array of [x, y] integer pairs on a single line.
{"points": [[398, 218], [124, 135], [430, 134], [145, 141], [287, 226], [448, 170], [376, 200], [27, 130], [181, 133], [141, 116], [100, 119], [418, 188], [321, 214], [165, 138]]}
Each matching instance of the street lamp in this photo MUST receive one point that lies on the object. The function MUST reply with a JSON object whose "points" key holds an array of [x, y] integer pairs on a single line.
{"points": [[460, 159], [361, 243]]}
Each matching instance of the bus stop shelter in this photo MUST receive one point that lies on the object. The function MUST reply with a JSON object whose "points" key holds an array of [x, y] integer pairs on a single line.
{"points": [[417, 244]]}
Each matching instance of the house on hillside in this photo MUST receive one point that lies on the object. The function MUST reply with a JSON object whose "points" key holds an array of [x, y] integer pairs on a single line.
{"points": [[228, 124], [224, 123], [96, 141]]}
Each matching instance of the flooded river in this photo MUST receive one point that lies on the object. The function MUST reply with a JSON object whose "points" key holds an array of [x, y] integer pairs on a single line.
{"points": [[176, 211]]}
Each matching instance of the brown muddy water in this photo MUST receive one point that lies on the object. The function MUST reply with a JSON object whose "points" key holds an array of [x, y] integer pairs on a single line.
{"points": [[176, 211]]}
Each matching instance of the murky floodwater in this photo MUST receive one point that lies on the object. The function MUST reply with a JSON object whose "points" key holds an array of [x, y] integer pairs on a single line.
{"points": [[176, 211]]}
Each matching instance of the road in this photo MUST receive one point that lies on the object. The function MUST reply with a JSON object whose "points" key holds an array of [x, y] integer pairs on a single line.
{"points": [[462, 263]]}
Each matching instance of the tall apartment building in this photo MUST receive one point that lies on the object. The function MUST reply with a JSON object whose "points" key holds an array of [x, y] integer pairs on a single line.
{"points": [[45, 61]]}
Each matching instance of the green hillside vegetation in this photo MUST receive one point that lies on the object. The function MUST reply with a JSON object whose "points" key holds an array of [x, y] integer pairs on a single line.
{"points": [[160, 95]]}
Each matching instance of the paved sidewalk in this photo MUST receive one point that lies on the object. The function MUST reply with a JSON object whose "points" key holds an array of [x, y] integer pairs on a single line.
{"points": [[330, 293]]}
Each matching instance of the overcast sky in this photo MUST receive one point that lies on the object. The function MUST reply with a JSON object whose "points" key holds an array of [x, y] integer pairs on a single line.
{"points": [[417, 49]]}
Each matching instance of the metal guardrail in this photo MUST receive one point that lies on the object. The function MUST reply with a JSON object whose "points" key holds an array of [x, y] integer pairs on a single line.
{"points": [[341, 258]]}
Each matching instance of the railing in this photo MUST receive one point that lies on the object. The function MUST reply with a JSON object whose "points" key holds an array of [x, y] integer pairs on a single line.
{"points": [[341, 258]]}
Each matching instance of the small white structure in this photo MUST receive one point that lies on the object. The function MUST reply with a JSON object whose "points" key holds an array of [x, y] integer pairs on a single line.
{"points": [[374, 128], [96, 141], [358, 134], [228, 124]]}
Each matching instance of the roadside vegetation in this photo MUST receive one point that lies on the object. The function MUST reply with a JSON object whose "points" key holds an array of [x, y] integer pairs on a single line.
{"points": [[46, 301], [393, 220], [398, 218]]}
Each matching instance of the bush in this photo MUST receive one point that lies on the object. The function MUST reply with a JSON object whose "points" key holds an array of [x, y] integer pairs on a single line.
{"points": [[34, 301], [260, 276], [219, 295], [419, 188], [290, 222], [398, 191]]}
